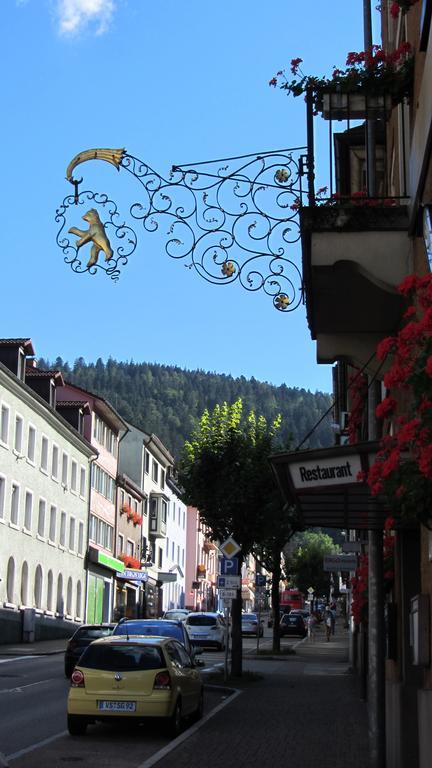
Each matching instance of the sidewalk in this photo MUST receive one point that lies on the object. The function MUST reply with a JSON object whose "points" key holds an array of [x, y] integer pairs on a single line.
{"points": [[40, 648], [304, 711]]}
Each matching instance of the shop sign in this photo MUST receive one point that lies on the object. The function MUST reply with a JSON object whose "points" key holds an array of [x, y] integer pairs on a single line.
{"points": [[307, 475], [132, 575]]}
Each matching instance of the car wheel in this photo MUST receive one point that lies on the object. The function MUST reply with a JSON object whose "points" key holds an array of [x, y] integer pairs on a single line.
{"points": [[76, 725], [176, 721]]}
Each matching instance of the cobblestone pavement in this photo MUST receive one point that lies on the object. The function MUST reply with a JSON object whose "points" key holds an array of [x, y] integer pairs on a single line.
{"points": [[303, 711]]}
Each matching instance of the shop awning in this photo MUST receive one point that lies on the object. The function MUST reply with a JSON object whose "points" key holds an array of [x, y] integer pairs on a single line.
{"points": [[323, 484]]}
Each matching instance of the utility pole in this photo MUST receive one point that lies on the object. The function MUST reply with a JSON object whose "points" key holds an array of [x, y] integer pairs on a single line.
{"points": [[376, 664]]}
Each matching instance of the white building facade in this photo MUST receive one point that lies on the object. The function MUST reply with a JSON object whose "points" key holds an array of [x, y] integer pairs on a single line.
{"points": [[44, 497]]}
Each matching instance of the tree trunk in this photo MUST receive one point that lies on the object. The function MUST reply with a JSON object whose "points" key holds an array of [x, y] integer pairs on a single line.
{"points": [[276, 598]]}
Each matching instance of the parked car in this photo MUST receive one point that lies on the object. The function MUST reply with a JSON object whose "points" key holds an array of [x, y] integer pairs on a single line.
{"points": [[292, 624], [157, 628], [134, 678], [176, 614], [301, 612], [206, 629], [251, 626], [79, 641]]}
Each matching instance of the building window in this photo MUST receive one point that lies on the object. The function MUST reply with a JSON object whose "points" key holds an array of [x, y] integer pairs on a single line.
{"points": [[160, 555], [147, 462], [74, 475], [120, 543], [62, 536], [164, 511], [50, 591], [103, 483], [69, 597], [59, 601], [24, 583], [64, 469], [178, 554], [172, 551], [184, 517], [31, 443], [80, 540], [82, 481], [72, 535], [52, 523], [2, 496], [28, 510], [100, 532], [54, 462], [4, 425], [18, 438], [78, 599], [155, 471], [14, 504], [162, 478], [41, 517], [145, 507], [130, 548], [44, 454], [167, 546], [10, 580], [182, 557], [38, 587]]}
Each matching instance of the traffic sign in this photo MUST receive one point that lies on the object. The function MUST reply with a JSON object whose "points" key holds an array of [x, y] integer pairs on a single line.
{"points": [[310, 590], [260, 580], [228, 582], [229, 567], [228, 594], [229, 547]]}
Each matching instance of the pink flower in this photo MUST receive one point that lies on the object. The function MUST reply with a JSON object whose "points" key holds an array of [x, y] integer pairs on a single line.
{"points": [[385, 408], [295, 63]]}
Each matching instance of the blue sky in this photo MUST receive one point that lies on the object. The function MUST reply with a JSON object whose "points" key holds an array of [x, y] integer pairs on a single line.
{"points": [[173, 83]]}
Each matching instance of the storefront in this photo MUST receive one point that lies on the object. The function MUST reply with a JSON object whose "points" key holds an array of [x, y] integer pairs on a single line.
{"points": [[100, 585]]}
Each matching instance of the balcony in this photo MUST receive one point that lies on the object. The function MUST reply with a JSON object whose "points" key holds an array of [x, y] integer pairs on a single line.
{"points": [[158, 515], [354, 257], [208, 545]]}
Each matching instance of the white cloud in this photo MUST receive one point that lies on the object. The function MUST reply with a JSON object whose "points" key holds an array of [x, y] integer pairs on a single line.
{"points": [[75, 15]]}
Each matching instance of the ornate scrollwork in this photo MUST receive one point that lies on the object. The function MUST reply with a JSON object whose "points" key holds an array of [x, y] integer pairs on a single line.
{"points": [[115, 229], [230, 219]]}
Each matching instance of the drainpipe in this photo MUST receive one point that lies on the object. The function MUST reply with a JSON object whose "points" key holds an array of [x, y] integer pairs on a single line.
{"points": [[91, 460], [376, 629]]}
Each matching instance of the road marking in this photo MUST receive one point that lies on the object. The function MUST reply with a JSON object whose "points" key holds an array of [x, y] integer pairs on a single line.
{"points": [[19, 658], [189, 732], [20, 688], [38, 744]]}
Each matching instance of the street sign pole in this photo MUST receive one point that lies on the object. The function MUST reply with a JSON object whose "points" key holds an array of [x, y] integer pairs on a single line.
{"points": [[226, 643]]}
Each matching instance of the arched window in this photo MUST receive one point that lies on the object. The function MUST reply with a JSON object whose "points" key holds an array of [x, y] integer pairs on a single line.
{"points": [[60, 602], [69, 597], [78, 599], [38, 587], [50, 591], [10, 583], [24, 583]]}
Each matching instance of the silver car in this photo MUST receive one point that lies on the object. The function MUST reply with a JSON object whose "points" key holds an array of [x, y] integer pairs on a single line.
{"points": [[206, 629]]}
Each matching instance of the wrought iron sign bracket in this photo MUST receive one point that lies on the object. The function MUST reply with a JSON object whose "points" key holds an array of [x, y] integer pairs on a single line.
{"points": [[229, 219]]}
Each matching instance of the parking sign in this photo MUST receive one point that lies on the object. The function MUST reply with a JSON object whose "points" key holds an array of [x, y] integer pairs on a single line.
{"points": [[229, 566]]}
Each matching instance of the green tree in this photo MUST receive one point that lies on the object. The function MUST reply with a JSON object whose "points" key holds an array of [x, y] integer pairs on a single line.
{"points": [[304, 567], [225, 472]]}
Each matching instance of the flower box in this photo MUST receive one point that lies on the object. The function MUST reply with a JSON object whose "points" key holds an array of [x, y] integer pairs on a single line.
{"points": [[355, 106]]}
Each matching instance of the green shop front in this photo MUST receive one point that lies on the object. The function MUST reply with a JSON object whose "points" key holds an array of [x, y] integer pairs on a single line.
{"points": [[101, 571]]}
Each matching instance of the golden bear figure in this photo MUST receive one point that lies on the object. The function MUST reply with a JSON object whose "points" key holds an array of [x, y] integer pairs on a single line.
{"points": [[95, 233]]}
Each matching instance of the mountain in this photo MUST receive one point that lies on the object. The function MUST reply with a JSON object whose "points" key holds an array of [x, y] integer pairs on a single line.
{"points": [[169, 401]]}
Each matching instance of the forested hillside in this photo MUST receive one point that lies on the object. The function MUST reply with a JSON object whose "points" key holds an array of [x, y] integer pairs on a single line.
{"points": [[168, 401]]}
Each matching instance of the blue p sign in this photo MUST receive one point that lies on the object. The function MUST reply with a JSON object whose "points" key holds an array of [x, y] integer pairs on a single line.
{"points": [[229, 567]]}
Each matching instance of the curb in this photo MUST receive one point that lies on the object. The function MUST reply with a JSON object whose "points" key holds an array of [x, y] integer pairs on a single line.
{"points": [[23, 654]]}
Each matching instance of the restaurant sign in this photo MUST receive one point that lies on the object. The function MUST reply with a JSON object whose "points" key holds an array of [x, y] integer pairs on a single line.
{"points": [[310, 474]]}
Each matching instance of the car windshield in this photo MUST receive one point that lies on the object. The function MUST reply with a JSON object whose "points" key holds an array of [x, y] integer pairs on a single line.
{"points": [[93, 632], [175, 615], [249, 617], [149, 628], [122, 658], [202, 621]]}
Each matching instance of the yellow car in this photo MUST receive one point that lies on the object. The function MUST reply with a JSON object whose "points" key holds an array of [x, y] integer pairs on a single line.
{"points": [[135, 678]]}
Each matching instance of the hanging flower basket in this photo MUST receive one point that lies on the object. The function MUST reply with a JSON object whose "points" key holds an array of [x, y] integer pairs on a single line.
{"points": [[372, 83]]}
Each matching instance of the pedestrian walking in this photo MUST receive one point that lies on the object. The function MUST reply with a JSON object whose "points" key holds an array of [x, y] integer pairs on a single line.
{"points": [[311, 626], [328, 624], [333, 617]]}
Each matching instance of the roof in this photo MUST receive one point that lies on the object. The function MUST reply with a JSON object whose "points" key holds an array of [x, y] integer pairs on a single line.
{"points": [[105, 408], [38, 373], [25, 342]]}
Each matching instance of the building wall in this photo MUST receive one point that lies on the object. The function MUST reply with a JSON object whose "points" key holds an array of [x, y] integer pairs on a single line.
{"points": [[175, 552], [45, 551]]}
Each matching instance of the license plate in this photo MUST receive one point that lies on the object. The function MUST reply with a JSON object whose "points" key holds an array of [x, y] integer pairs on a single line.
{"points": [[117, 706]]}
